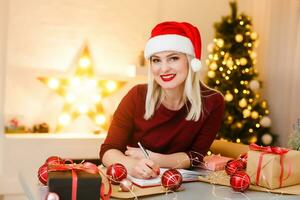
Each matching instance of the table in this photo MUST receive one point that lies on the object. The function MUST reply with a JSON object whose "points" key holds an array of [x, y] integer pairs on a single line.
{"points": [[205, 191]]}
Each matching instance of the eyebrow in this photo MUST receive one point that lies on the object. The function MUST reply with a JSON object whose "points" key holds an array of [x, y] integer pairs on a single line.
{"points": [[169, 55]]}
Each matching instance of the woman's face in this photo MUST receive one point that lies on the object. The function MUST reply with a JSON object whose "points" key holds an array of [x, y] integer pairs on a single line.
{"points": [[169, 68]]}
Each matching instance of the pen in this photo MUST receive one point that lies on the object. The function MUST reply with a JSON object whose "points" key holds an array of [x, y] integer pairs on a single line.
{"points": [[157, 171], [144, 151]]}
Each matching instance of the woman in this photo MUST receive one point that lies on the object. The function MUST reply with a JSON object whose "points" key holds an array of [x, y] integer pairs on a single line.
{"points": [[175, 117]]}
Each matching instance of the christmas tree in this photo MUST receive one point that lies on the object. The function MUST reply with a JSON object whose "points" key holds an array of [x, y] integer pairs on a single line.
{"points": [[231, 70]]}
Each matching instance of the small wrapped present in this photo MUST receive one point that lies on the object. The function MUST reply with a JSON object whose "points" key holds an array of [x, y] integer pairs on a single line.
{"points": [[76, 181], [273, 167], [88, 185], [215, 162]]}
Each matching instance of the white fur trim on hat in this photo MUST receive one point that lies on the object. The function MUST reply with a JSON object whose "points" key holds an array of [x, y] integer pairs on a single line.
{"points": [[168, 42], [196, 64]]}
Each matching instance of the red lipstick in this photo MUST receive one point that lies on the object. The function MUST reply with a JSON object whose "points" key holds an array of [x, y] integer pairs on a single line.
{"points": [[167, 77]]}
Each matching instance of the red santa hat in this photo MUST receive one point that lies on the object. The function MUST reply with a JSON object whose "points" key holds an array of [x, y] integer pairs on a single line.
{"points": [[175, 36]]}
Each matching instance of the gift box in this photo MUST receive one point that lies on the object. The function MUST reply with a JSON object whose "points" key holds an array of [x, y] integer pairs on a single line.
{"points": [[88, 185], [273, 167], [215, 162]]}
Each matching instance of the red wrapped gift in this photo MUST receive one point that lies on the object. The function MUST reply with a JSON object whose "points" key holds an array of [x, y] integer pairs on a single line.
{"points": [[215, 162]]}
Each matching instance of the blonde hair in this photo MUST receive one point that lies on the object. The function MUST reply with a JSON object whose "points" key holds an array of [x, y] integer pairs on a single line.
{"points": [[190, 94]]}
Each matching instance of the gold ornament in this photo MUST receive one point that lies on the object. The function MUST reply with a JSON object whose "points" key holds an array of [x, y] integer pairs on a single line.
{"points": [[229, 63], [211, 74], [246, 113], [228, 97], [229, 119], [253, 36], [243, 61], [220, 42], [264, 104], [254, 114], [239, 125], [239, 38], [243, 103], [253, 139], [213, 66]]}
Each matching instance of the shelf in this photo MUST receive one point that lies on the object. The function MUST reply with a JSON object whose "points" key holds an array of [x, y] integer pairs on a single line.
{"points": [[55, 136]]}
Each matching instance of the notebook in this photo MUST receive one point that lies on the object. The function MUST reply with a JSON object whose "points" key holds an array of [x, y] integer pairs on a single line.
{"points": [[187, 176]]}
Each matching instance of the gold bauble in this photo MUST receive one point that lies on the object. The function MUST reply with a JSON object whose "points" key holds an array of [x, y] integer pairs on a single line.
{"points": [[243, 61], [213, 66], [229, 63], [254, 114], [211, 74], [253, 139], [243, 103], [229, 119], [253, 36], [246, 113], [220, 42], [228, 97], [239, 125], [239, 38]]}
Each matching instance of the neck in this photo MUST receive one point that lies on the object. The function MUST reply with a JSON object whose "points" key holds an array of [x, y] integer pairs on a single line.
{"points": [[173, 99]]}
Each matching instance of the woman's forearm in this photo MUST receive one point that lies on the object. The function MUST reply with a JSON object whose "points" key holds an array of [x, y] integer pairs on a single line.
{"points": [[175, 160], [115, 156]]}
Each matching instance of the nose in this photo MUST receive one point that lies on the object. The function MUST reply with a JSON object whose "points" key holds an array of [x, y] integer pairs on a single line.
{"points": [[165, 66]]}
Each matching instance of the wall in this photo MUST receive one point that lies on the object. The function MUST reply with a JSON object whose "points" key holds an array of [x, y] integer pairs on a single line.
{"points": [[3, 31]]}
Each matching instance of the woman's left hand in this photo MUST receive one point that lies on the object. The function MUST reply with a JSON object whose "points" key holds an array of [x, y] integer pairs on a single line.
{"points": [[136, 152]]}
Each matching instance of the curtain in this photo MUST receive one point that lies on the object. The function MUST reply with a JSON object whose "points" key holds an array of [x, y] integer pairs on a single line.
{"points": [[278, 24]]}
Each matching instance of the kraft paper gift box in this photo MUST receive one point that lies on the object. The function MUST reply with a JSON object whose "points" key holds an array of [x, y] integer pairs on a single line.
{"points": [[273, 167]]}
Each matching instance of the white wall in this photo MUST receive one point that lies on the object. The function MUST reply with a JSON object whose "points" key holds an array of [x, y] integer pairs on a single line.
{"points": [[3, 31]]}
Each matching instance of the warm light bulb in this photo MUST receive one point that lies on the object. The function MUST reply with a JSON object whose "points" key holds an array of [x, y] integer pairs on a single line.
{"points": [[74, 81], [209, 153], [238, 140], [70, 98], [100, 119], [82, 108], [53, 83], [257, 125], [84, 62], [64, 119], [111, 86], [97, 98]]}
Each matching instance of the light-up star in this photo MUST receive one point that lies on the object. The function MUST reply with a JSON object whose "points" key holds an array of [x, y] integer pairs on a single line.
{"points": [[82, 92]]}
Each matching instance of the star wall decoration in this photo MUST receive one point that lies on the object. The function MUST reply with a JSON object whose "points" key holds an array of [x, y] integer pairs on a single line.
{"points": [[82, 93]]}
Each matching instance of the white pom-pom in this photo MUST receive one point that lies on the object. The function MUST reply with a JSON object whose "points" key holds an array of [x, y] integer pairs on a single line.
{"points": [[196, 64]]}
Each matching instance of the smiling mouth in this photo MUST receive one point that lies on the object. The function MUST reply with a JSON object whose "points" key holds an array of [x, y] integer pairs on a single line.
{"points": [[167, 77]]}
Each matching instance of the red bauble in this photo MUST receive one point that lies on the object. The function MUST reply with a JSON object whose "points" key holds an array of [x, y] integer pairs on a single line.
{"points": [[54, 160], [116, 172], [244, 157], [43, 173], [233, 166], [240, 181], [171, 179]]}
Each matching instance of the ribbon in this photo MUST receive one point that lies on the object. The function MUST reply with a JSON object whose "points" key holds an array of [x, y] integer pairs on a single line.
{"points": [[85, 167], [270, 150]]}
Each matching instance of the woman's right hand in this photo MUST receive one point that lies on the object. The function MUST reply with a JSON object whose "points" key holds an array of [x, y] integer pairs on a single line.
{"points": [[144, 169]]}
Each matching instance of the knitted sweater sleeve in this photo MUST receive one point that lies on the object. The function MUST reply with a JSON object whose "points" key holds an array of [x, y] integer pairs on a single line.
{"points": [[122, 124]]}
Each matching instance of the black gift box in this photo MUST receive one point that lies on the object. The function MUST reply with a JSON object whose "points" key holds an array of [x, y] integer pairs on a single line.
{"points": [[88, 185]]}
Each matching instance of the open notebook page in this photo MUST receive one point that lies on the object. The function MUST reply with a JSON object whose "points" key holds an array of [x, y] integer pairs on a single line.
{"points": [[187, 176]]}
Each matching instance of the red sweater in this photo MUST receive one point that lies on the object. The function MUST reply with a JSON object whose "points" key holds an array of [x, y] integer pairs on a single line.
{"points": [[167, 131]]}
